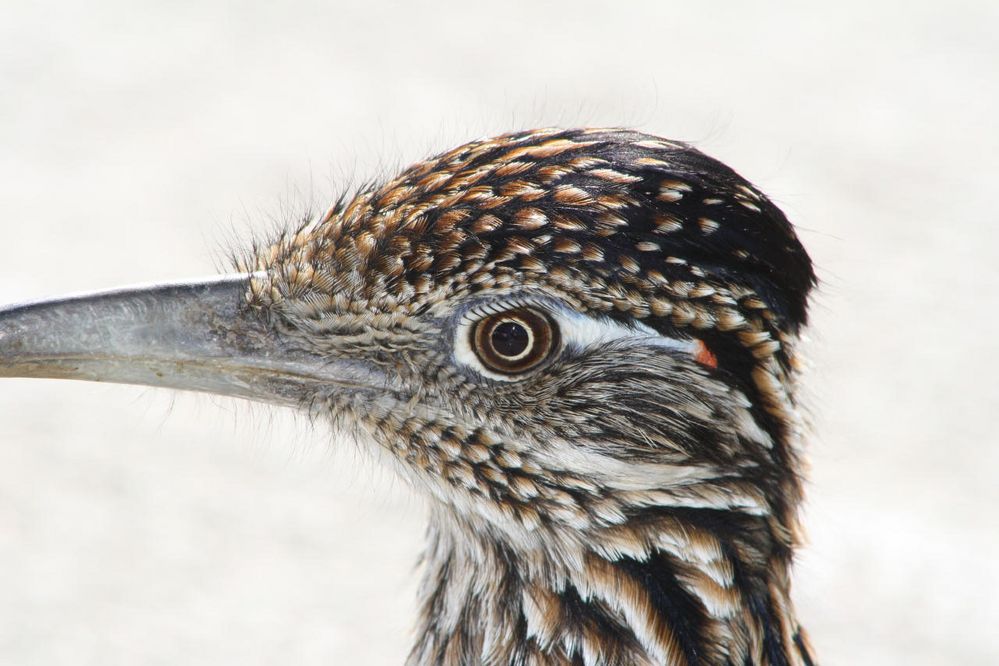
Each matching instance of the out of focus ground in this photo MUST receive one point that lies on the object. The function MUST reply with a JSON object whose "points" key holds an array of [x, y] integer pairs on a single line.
{"points": [[142, 527]]}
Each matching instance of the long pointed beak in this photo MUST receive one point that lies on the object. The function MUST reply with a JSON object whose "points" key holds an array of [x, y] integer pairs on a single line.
{"points": [[197, 335]]}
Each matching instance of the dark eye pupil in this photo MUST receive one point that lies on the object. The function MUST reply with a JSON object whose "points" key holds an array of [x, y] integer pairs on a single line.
{"points": [[510, 339]]}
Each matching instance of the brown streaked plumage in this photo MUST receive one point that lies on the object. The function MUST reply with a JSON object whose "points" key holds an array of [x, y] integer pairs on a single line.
{"points": [[579, 343]]}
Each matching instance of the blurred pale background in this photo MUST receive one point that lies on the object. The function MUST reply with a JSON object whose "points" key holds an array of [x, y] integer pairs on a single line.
{"points": [[138, 140]]}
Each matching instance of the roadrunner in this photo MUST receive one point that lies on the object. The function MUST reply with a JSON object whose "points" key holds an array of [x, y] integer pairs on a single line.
{"points": [[580, 344]]}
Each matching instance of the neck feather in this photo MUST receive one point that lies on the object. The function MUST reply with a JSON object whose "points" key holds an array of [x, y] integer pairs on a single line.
{"points": [[670, 586]]}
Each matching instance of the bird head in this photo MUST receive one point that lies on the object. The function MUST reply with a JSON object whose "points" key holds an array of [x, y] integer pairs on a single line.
{"points": [[556, 328], [564, 337]]}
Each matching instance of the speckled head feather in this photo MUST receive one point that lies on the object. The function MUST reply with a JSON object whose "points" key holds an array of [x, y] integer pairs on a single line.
{"points": [[631, 501], [637, 211], [619, 223]]}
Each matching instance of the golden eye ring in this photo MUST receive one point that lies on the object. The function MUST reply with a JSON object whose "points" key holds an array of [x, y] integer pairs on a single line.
{"points": [[514, 341]]}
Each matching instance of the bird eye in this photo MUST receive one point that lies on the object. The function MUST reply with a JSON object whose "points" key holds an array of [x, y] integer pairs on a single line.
{"points": [[514, 341]]}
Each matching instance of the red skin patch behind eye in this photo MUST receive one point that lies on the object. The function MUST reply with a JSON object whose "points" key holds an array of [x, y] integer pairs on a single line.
{"points": [[704, 356]]}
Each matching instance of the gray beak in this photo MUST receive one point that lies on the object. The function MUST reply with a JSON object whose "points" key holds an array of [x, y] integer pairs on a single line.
{"points": [[198, 336]]}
